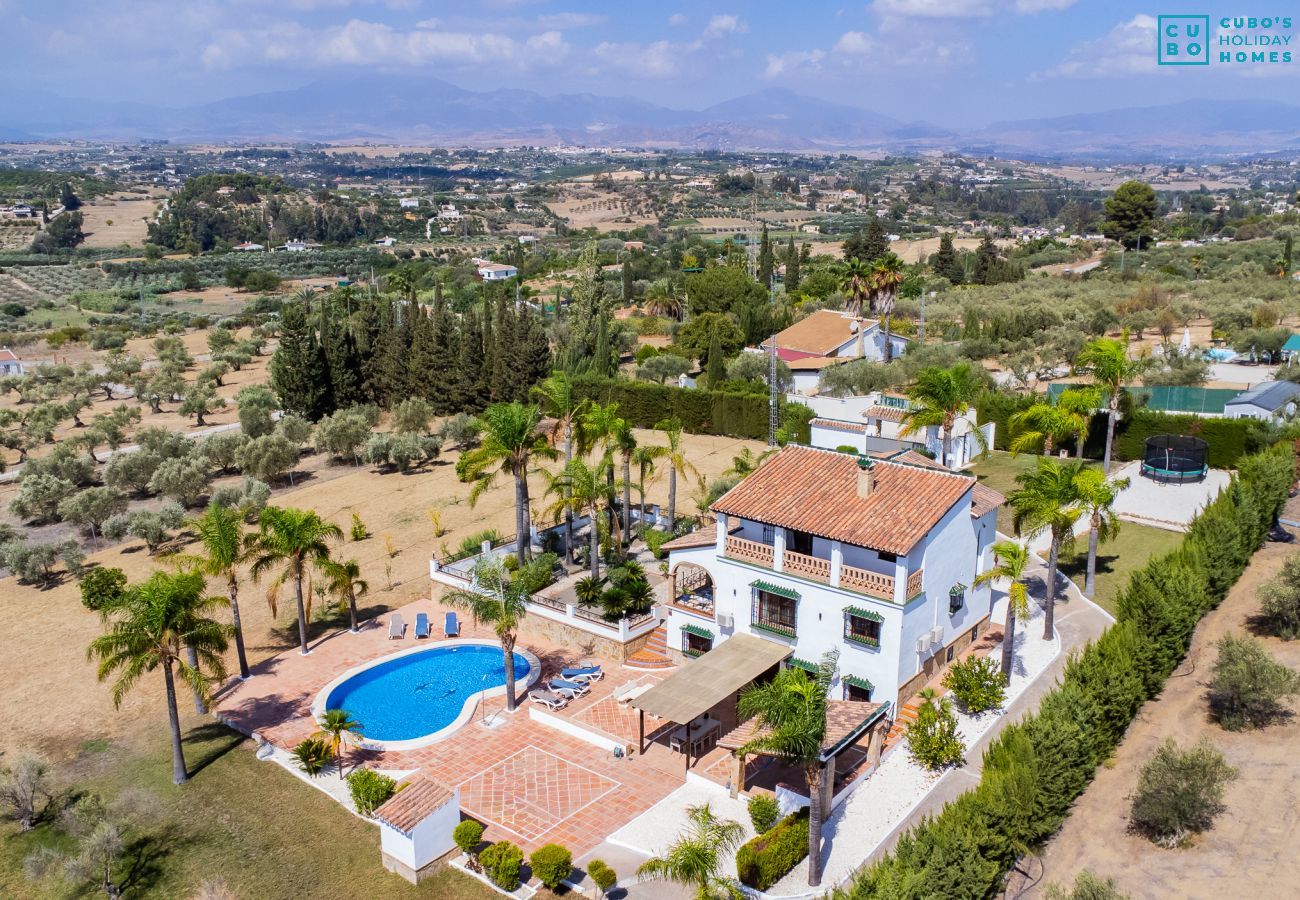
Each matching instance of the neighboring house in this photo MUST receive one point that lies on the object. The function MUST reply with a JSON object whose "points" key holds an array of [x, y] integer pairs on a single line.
{"points": [[298, 246], [827, 337], [873, 556], [489, 271], [10, 364], [248, 247], [385, 241], [633, 245], [1292, 345], [449, 213], [1270, 401], [874, 424], [409, 203]]}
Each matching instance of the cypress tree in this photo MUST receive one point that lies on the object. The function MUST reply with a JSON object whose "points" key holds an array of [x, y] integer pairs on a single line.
{"points": [[532, 353], [344, 362], [299, 374], [945, 261], [626, 274], [491, 357], [792, 273], [716, 368], [441, 377], [766, 259], [424, 358]]}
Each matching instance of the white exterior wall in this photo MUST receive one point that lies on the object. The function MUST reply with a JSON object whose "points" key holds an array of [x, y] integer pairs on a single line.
{"points": [[427, 841], [806, 381], [1248, 411], [955, 551]]}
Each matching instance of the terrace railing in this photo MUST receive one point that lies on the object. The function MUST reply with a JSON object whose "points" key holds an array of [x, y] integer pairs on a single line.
{"points": [[866, 582], [749, 551]]}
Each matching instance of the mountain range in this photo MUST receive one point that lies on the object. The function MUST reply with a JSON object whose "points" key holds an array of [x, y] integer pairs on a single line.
{"points": [[430, 110]]}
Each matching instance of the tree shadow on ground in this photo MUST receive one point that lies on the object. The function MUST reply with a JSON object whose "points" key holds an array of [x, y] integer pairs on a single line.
{"points": [[217, 740]]}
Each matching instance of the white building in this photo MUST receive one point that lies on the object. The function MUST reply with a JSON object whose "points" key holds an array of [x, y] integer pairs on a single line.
{"points": [[388, 241], [826, 338], [416, 825], [1269, 401], [248, 247], [490, 271], [449, 213], [874, 423], [873, 556], [409, 203], [10, 364]]}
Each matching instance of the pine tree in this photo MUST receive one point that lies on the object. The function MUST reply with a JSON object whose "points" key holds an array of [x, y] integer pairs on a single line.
{"points": [[766, 259], [299, 374], [945, 261], [792, 273], [986, 262]]}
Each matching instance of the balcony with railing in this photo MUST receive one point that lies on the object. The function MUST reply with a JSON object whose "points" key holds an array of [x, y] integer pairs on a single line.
{"points": [[816, 568]]}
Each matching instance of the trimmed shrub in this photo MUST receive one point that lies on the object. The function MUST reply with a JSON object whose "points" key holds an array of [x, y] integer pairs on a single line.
{"points": [[468, 835], [976, 682], [1179, 792], [932, 738], [763, 812], [602, 875], [552, 864], [766, 859], [102, 586], [501, 863], [654, 540], [1249, 685], [370, 790]]}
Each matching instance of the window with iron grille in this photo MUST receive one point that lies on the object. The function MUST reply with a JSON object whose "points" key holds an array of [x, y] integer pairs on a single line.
{"points": [[861, 629], [772, 612]]}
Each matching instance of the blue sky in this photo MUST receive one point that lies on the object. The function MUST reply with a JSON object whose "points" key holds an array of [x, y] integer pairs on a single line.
{"points": [[957, 63]]}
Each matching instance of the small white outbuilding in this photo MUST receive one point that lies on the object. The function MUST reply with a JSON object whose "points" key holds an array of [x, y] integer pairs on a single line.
{"points": [[416, 825]]}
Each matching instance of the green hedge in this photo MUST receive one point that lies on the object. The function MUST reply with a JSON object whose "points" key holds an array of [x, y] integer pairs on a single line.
{"points": [[1037, 767], [766, 859], [701, 411]]}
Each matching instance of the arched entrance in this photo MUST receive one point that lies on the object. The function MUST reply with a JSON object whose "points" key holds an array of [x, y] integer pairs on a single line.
{"points": [[691, 588]]}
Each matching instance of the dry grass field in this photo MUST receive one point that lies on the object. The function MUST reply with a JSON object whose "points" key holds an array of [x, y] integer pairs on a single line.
{"points": [[587, 207], [129, 214]]}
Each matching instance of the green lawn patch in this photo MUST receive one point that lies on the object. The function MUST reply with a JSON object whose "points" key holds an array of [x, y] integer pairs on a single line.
{"points": [[246, 822], [1116, 561]]}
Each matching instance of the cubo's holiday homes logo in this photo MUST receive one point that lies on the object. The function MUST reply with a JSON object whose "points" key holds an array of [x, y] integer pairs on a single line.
{"points": [[1185, 40]]}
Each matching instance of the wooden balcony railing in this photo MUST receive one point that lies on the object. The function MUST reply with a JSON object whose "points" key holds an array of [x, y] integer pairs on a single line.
{"points": [[749, 551], [807, 566], [913, 584], [865, 582]]}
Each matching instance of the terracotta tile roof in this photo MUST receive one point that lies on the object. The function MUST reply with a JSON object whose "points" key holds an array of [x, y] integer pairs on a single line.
{"points": [[911, 457], [416, 798], [842, 716], [7, 355], [888, 413], [817, 362], [983, 499], [704, 537], [813, 490], [838, 425], [819, 333]]}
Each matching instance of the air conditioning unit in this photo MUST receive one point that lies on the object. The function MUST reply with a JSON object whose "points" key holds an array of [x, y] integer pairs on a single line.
{"points": [[923, 643], [726, 621], [936, 636]]}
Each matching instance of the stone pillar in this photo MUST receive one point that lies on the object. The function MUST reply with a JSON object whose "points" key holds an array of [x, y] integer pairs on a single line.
{"points": [[738, 776], [778, 550], [837, 560], [722, 532], [877, 741]]}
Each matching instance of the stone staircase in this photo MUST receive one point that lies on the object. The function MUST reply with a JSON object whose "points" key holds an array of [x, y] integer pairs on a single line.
{"points": [[654, 655], [906, 716]]}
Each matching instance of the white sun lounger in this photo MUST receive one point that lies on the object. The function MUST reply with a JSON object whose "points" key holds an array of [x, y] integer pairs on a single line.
{"points": [[396, 627], [549, 699], [629, 692]]}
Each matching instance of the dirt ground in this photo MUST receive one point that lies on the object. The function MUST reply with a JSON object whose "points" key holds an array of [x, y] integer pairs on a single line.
{"points": [[129, 214], [588, 207], [1251, 850], [45, 631]]}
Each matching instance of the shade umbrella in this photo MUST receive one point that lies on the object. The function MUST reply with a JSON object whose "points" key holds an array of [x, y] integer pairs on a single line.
{"points": [[1186, 345]]}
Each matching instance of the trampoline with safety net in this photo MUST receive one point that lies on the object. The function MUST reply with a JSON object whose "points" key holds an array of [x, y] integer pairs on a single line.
{"points": [[1175, 458]]}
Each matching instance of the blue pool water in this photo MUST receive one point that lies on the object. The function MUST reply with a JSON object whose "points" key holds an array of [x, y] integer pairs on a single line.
{"points": [[1220, 354], [420, 693]]}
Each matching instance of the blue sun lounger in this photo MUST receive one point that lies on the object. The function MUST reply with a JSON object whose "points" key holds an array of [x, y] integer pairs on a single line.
{"points": [[568, 689], [450, 625], [582, 673], [421, 625]]}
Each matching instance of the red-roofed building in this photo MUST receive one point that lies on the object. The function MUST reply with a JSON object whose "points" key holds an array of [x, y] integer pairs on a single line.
{"points": [[874, 556]]}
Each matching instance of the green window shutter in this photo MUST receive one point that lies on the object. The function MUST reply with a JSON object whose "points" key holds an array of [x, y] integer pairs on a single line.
{"points": [[698, 631], [863, 613], [769, 587], [797, 663], [857, 682]]}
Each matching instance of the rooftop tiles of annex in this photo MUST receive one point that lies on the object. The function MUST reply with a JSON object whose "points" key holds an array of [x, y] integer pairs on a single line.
{"points": [[528, 782]]}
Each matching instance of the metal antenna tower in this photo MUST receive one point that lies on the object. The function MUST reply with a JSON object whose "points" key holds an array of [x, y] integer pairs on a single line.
{"points": [[773, 403]]}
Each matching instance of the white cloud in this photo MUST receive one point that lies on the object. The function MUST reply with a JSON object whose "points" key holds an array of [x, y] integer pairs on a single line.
{"points": [[1029, 7], [565, 20], [677, 19], [359, 42], [854, 48], [721, 26], [1128, 48], [657, 60], [962, 9]]}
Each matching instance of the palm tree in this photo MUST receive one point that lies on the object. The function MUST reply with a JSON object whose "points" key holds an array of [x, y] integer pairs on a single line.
{"points": [[694, 858], [1048, 501], [942, 397], [499, 601], [560, 401], [1012, 559], [336, 726], [510, 443], [221, 534], [1079, 405], [345, 582], [678, 464], [644, 458], [746, 462], [294, 539], [855, 282], [1107, 359], [625, 442], [150, 628], [886, 278], [665, 305], [1097, 495], [791, 712], [581, 487], [1047, 422], [600, 428]]}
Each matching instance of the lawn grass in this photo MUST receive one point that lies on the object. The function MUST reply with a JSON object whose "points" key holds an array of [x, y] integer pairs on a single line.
{"points": [[998, 469], [1118, 559], [245, 822]]}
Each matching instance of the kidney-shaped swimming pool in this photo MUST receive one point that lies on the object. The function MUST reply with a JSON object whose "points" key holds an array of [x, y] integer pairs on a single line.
{"points": [[422, 695]]}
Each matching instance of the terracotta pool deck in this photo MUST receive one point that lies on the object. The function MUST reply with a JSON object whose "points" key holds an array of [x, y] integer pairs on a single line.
{"points": [[528, 782]]}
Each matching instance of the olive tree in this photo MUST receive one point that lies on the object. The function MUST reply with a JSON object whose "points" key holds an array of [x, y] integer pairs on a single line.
{"points": [[131, 472], [93, 507], [39, 497], [256, 407], [183, 480], [268, 457]]}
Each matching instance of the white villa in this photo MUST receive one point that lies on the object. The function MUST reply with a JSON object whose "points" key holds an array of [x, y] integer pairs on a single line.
{"points": [[490, 271], [873, 555], [874, 423], [828, 338]]}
